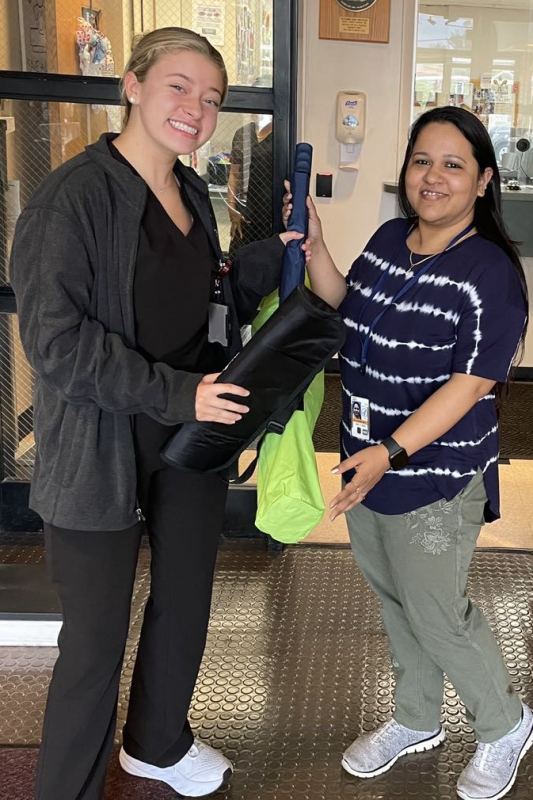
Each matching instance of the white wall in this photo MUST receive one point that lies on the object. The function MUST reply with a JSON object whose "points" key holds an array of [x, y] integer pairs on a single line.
{"points": [[385, 73]]}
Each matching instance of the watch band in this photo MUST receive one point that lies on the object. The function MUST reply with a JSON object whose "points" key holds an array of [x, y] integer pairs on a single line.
{"points": [[398, 458]]}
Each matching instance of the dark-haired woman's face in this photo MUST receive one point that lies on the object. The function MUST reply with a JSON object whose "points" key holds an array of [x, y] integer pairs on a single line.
{"points": [[442, 179]]}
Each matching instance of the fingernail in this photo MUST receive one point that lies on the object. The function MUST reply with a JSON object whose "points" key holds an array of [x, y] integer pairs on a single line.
{"points": [[332, 518], [335, 470]]}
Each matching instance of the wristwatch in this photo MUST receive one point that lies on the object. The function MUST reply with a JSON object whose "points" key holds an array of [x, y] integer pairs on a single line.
{"points": [[398, 458]]}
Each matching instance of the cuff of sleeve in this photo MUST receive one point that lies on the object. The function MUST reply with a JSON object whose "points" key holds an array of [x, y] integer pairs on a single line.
{"points": [[182, 405], [259, 265], [264, 251], [488, 374]]}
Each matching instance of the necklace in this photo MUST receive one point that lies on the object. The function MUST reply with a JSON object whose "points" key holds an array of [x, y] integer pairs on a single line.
{"points": [[162, 189], [413, 264], [433, 255]]}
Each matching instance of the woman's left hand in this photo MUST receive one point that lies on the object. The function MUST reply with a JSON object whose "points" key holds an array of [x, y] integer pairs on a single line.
{"points": [[371, 465], [306, 246], [288, 236]]}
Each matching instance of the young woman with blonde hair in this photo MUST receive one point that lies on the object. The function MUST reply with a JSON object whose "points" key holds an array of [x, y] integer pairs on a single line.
{"points": [[115, 261]]}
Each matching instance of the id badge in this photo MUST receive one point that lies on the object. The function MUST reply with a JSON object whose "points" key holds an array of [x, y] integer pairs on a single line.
{"points": [[218, 324], [360, 416]]}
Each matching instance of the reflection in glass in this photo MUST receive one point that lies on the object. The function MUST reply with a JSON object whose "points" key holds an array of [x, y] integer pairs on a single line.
{"points": [[77, 38], [237, 166], [481, 58], [452, 32]]}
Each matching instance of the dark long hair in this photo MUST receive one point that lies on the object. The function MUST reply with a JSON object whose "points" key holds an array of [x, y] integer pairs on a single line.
{"points": [[488, 217]]}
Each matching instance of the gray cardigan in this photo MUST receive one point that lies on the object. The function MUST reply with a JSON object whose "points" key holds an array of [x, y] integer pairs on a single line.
{"points": [[72, 269]]}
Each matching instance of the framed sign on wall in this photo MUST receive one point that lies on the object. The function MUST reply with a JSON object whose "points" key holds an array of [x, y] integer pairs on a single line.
{"points": [[355, 20]]}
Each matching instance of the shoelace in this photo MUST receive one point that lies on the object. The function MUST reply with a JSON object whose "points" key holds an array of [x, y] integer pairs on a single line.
{"points": [[383, 733], [488, 754]]}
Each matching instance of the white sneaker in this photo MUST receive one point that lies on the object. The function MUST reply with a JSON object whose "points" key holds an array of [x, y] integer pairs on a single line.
{"points": [[201, 771]]}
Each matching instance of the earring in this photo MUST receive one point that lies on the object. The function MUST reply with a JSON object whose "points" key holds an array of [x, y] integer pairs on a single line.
{"points": [[132, 100]]}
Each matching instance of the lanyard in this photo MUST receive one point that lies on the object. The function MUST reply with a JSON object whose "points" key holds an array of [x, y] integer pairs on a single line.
{"points": [[223, 269], [365, 342]]}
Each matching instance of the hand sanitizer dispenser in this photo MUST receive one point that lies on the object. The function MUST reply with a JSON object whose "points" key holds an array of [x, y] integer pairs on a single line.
{"points": [[350, 127]]}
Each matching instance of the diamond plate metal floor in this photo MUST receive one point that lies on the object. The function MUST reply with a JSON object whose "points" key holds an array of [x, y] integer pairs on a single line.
{"points": [[296, 666]]}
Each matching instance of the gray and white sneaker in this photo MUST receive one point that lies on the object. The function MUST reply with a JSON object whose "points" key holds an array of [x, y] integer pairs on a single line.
{"points": [[374, 753], [492, 771]]}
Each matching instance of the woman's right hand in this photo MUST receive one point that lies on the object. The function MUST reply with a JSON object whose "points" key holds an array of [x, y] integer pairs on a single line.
{"points": [[315, 226], [210, 407]]}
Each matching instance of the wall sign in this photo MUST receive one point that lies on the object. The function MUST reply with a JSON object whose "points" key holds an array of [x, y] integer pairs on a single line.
{"points": [[209, 21], [356, 5], [355, 20], [347, 25]]}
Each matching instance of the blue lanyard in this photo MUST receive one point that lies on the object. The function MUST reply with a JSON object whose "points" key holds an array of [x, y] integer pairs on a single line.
{"points": [[365, 342]]}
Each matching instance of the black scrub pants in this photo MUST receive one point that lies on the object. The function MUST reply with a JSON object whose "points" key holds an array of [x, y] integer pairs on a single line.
{"points": [[93, 573]]}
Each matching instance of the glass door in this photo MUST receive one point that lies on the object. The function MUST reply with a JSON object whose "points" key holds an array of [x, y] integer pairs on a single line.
{"points": [[59, 68]]}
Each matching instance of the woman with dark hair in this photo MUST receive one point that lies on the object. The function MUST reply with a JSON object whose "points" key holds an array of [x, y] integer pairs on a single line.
{"points": [[435, 310]]}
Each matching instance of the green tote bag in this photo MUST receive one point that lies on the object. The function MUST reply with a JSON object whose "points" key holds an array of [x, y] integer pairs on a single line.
{"points": [[289, 498]]}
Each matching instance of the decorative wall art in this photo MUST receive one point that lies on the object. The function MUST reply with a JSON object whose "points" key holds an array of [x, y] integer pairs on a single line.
{"points": [[355, 20]]}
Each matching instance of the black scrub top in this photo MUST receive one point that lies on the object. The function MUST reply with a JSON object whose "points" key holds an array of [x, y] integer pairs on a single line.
{"points": [[173, 284]]}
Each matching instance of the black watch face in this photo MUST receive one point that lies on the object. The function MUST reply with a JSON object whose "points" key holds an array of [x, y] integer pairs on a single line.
{"points": [[356, 5], [399, 460]]}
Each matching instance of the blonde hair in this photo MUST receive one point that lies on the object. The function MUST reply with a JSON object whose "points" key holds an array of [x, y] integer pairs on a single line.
{"points": [[149, 47]]}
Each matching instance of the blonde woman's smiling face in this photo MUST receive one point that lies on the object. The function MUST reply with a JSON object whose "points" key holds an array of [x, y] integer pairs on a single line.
{"points": [[442, 180], [178, 102]]}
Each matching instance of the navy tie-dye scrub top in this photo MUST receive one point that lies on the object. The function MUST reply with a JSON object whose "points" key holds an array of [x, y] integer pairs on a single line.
{"points": [[465, 315]]}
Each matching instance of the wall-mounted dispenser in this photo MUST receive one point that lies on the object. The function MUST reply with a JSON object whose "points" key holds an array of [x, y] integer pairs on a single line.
{"points": [[350, 127]]}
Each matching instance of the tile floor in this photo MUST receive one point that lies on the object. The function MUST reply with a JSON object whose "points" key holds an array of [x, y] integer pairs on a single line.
{"points": [[296, 666]]}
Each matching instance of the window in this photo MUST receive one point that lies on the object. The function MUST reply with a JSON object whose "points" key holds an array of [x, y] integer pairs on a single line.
{"points": [[480, 57], [93, 37]]}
